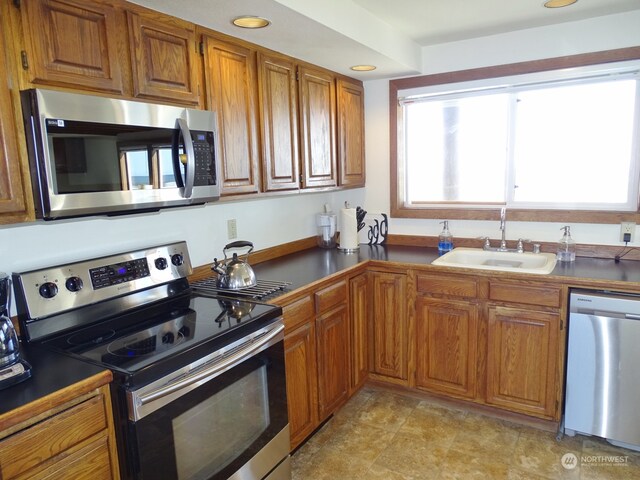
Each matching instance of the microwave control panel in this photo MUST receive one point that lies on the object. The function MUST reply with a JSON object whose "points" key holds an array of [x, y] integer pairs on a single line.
{"points": [[203, 149]]}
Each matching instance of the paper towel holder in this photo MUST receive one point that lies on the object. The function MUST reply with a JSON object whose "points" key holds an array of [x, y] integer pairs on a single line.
{"points": [[353, 244]]}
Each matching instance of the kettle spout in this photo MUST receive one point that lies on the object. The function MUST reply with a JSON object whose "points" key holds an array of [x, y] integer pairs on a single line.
{"points": [[217, 267]]}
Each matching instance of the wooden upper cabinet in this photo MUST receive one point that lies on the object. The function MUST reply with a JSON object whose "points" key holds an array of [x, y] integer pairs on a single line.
{"points": [[278, 93], [164, 57], [318, 111], [351, 134], [231, 82], [13, 201], [72, 43]]}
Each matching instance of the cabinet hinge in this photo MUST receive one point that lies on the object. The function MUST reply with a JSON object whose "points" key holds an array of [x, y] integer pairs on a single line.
{"points": [[561, 324], [16, 3], [201, 47], [24, 59], [297, 76]]}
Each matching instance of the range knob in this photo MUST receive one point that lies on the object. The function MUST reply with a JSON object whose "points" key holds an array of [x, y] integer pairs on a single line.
{"points": [[161, 263], [74, 284], [48, 290], [177, 259]]}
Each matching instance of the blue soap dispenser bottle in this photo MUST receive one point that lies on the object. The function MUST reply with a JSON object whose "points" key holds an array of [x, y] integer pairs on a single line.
{"points": [[445, 240]]}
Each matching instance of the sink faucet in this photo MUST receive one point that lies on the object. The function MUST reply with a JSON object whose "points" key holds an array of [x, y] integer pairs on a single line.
{"points": [[503, 228]]}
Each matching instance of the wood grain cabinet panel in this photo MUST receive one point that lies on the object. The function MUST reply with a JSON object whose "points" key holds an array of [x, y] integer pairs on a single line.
{"points": [[359, 317], [331, 296], [389, 320], [351, 134], [73, 440], [332, 333], [446, 346], [231, 78], [13, 201], [522, 348], [302, 383], [72, 43], [165, 63], [278, 95], [318, 111]]}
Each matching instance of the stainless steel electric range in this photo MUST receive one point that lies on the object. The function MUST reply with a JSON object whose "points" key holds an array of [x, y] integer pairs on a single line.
{"points": [[199, 380]]}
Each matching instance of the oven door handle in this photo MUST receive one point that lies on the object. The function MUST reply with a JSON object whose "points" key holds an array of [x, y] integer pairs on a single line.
{"points": [[140, 402]]}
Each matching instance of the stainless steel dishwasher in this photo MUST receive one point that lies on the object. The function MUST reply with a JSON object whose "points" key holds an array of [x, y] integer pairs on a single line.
{"points": [[603, 367]]}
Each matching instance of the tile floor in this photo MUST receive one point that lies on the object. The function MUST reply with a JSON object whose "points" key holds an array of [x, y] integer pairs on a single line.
{"points": [[380, 434]]}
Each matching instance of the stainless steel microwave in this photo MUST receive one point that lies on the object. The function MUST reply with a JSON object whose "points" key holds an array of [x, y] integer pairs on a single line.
{"points": [[93, 155]]}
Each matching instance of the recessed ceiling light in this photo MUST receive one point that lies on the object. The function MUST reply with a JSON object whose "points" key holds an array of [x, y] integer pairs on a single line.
{"points": [[363, 68], [250, 21], [559, 3]]}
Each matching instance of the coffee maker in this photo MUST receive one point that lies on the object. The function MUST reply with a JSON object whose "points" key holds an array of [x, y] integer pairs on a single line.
{"points": [[13, 369]]}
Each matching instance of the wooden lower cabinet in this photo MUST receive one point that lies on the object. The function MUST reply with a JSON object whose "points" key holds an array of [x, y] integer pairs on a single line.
{"points": [[522, 348], [446, 346], [389, 347], [302, 384], [359, 318], [73, 440], [332, 334]]}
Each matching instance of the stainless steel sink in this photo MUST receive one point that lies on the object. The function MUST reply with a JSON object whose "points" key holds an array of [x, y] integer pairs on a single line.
{"points": [[525, 262]]}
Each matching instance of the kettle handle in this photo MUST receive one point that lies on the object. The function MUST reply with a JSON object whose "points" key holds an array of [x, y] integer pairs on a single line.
{"points": [[238, 244]]}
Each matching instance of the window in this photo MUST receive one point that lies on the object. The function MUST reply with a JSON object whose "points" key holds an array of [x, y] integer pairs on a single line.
{"points": [[561, 144]]}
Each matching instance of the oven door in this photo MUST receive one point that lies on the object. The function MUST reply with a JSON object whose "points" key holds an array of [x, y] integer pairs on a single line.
{"points": [[225, 418]]}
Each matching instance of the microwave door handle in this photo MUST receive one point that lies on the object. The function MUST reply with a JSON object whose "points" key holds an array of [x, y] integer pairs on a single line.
{"points": [[191, 158]]}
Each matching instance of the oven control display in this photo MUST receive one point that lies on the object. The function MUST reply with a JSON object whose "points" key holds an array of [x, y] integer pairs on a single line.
{"points": [[119, 273]]}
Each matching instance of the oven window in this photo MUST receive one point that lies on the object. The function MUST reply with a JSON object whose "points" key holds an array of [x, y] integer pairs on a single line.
{"points": [[216, 429], [241, 411]]}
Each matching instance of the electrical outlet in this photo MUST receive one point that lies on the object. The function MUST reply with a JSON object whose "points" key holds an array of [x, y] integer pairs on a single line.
{"points": [[232, 229], [627, 227]]}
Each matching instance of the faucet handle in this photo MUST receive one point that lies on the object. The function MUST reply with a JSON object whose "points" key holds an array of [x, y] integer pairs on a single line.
{"points": [[486, 243], [521, 242]]}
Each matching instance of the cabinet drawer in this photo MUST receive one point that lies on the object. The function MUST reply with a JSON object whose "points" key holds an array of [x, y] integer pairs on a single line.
{"points": [[297, 313], [452, 286], [331, 296], [543, 295], [42, 441]]}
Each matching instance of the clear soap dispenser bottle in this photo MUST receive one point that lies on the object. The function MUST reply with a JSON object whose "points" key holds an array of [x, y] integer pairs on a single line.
{"points": [[566, 246], [445, 240]]}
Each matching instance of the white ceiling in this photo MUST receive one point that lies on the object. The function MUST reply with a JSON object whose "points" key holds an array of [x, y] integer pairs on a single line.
{"points": [[389, 34]]}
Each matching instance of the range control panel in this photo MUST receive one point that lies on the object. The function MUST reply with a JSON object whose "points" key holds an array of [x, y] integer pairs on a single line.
{"points": [[49, 291]]}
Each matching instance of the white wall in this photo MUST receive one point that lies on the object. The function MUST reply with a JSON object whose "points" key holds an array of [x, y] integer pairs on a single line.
{"points": [[602, 33]]}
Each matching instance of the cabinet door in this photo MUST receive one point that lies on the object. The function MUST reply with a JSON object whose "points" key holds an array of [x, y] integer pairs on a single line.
{"points": [[230, 72], [359, 302], [389, 349], [446, 346], [351, 134], [302, 396], [318, 111], [333, 360], [278, 96], [72, 43], [522, 348], [165, 63], [12, 196]]}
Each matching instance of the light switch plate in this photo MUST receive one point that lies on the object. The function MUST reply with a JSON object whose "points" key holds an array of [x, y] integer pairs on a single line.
{"points": [[232, 229], [627, 227]]}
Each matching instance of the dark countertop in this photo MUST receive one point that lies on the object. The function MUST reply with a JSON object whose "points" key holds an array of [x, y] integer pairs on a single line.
{"points": [[51, 372], [309, 266]]}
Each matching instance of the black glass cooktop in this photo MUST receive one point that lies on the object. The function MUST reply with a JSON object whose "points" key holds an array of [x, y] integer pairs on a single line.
{"points": [[159, 334]]}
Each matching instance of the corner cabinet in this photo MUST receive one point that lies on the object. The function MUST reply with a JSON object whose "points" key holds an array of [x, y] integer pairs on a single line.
{"points": [[231, 82], [318, 127], [389, 317], [72, 43], [351, 134]]}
